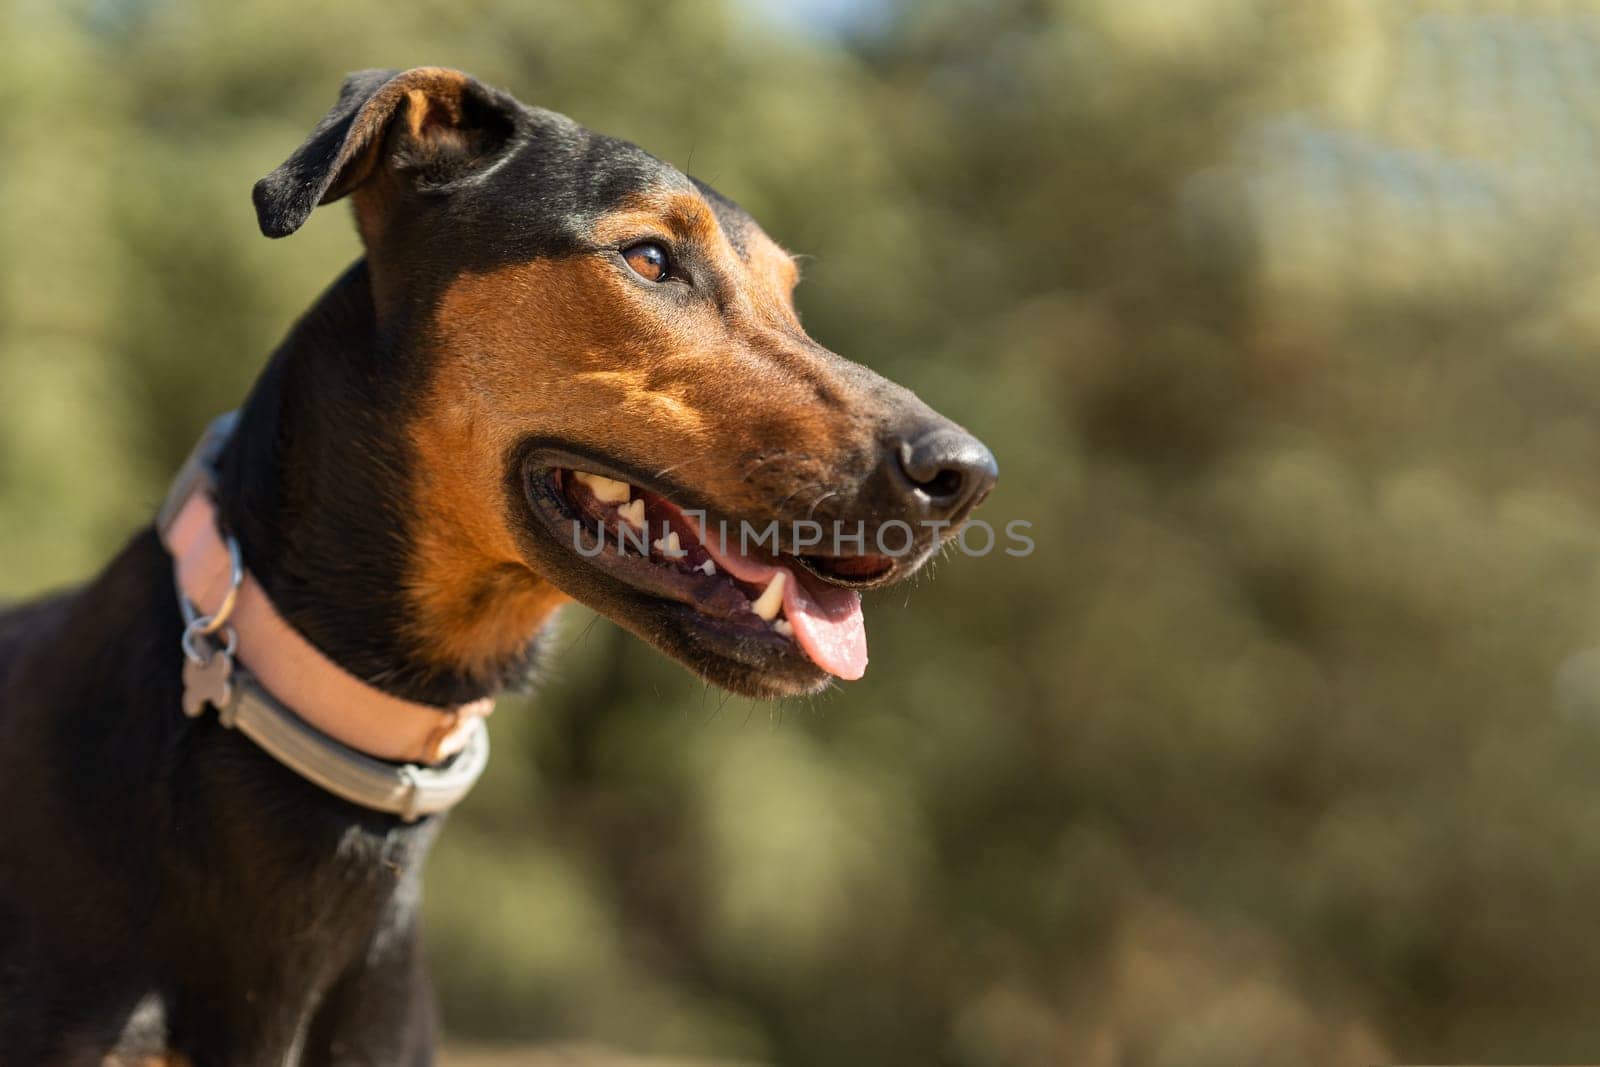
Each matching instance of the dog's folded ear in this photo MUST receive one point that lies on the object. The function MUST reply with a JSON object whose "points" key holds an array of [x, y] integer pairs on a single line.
{"points": [[431, 124]]}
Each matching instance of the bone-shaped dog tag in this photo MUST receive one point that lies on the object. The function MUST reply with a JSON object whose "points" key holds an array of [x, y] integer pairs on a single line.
{"points": [[210, 682]]}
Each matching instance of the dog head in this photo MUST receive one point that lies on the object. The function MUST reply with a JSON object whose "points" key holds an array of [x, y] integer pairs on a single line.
{"points": [[620, 404]]}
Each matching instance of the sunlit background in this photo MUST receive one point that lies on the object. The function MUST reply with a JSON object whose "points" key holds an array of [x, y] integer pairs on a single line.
{"points": [[1284, 322]]}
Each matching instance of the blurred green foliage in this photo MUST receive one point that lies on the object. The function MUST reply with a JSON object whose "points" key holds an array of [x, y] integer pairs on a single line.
{"points": [[1282, 748]]}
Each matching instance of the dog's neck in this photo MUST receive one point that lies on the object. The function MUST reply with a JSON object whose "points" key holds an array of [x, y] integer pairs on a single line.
{"points": [[314, 485]]}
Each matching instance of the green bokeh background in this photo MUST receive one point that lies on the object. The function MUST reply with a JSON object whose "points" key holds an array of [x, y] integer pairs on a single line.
{"points": [[1284, 321]]}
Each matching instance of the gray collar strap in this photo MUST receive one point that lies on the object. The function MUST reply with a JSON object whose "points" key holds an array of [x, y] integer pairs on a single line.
{"points": [[213, 680], [404, 789]]}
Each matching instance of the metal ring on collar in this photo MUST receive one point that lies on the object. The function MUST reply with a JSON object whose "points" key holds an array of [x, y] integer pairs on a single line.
{"points": [[206, 625]]}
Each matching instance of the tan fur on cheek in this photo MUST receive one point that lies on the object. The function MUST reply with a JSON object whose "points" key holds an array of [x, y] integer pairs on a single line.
{"points": [[530, 349], [652, 408], [478, 604], [477, 601], [520, 351]]}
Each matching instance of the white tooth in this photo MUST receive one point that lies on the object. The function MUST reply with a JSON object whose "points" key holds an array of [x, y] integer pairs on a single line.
{"points": [[781, 626], [771, 599], [606, 490], [708, 568], [632, 512], [670, 546]]}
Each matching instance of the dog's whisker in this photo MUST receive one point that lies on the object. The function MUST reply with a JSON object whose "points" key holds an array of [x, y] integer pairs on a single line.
{"points": [[576, 641], [797, 492], [762, 462], [817, 502], [716, 712]]}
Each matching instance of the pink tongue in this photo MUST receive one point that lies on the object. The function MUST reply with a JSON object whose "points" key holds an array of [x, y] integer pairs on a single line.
{"points": [[828, 624], [827, 620]]}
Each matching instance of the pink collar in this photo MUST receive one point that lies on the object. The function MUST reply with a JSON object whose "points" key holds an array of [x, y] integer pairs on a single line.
{"points": [[289, 667]]}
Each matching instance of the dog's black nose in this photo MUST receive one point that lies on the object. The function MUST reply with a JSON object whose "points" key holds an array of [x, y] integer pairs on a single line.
{"points": [[946, 470]]}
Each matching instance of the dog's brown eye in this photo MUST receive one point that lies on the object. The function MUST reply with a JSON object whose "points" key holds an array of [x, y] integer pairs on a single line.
{"points": [[648, 260]]}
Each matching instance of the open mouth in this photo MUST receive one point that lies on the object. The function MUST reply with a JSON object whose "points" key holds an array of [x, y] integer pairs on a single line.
{"points": [[798, 615]]}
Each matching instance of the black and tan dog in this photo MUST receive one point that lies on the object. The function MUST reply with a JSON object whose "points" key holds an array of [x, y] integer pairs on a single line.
{"points": [[551, 332]]}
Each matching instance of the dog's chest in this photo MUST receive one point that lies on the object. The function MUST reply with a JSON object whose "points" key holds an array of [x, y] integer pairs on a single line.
{"points": [[262, 978]]}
